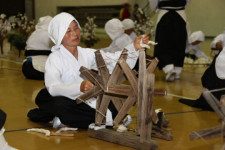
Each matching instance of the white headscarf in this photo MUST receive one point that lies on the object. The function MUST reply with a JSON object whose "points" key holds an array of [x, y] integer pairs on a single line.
{"points": [[58, 27], [43, 23], [219, 38], [128, 24], [114, 28], [197, 36]]}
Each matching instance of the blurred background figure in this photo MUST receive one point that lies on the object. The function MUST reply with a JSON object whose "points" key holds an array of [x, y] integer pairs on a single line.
{"points": [[38, 47], [5, 27], [171, 36], [216, 45], [115, 30], [194, 42], [125, 11], [129, 28]]}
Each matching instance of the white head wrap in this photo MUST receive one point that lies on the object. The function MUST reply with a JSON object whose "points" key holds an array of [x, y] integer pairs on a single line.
{"points": [[219, 38], [197, 36], [43, 23], [128, 24], [58, 27], [114, 28]]}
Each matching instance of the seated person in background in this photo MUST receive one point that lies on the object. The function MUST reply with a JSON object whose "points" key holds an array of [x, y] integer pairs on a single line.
{"points": [[129, 28], [3, 144], [216, 45], [213, 78], [125, 11], [115, 30], [38, 47], [194, 42], [63, 80]]}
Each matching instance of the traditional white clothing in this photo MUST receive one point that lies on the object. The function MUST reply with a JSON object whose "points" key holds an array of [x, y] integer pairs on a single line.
{"points": [[217, 39], [129, 24], [115, 30], [38, 48], [196, 36], [63, 79]]}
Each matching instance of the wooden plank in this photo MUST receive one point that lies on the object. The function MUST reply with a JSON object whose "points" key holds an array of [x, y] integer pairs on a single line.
{"points": [[89, 94], [124, 90], [160, 92], [208, 133], [102, 68], [101, 112], [131, 100], [130, 76], [147, 107], [98, 104], [124, 139], [117, 101], [151, 68], [214, 103], [92, 76], [142, 69], [161, 133]]}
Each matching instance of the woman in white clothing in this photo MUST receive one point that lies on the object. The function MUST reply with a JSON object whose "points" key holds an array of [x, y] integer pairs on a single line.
{"points": [[194, 42], [129, 28], [38, 47], [171, 35], [217, 43], [63, 80], [115, 30], [213, 78]]}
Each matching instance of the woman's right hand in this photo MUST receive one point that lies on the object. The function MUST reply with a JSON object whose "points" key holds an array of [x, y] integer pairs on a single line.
{"points": [[86, 86]]}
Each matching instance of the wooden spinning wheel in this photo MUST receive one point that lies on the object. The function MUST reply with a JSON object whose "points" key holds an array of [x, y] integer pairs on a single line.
{"points": [[109, 88]]}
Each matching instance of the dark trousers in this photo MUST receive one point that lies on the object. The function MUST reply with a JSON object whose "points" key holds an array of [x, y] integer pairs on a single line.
{"points": [[29, 71], [69, 112], [171, 36], [2, 118]]}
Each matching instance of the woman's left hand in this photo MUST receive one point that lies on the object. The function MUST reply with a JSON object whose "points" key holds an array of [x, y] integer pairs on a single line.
{"points": [[137, 42]]}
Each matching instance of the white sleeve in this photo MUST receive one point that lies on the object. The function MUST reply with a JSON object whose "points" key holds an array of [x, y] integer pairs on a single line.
{"points": [[112, 58], [54, 84], [220, 65]]}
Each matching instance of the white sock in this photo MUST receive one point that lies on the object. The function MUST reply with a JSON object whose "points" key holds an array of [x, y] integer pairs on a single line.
{"points": [[168, 68]]}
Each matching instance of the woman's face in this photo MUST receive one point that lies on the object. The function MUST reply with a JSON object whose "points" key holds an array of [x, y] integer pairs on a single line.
{"points": [[72, 36]]}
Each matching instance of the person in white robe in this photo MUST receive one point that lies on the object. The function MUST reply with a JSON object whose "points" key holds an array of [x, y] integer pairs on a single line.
{"points": [[63, 80], [129, 28], [217, 44], [38, 47], [194, 42], [115, 30], [212, 79]]}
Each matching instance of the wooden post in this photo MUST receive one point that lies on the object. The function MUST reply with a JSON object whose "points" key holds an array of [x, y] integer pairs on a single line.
{"points": [[142, 70]]}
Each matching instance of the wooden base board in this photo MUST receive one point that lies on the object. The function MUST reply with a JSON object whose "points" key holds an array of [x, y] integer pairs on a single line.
{"points": [[125, 139]]}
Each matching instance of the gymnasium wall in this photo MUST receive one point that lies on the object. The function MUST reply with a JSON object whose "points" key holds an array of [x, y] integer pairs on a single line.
{"points": [[205, 15]]}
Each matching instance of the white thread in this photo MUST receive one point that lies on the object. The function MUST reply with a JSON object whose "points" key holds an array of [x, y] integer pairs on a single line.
{"points": [[180, 96], [216, 90]]}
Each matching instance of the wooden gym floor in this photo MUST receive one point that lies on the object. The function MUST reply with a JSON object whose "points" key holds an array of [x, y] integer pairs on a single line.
{"points": [[17, 96]]}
